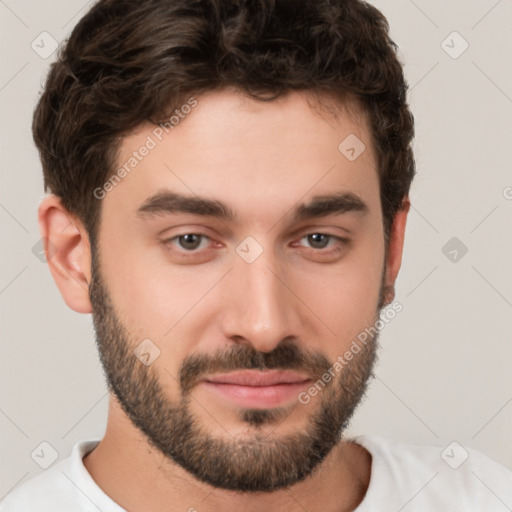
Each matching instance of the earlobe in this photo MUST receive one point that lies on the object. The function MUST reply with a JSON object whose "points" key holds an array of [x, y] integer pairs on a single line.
{"points": [[396, 244], [67, 251]]}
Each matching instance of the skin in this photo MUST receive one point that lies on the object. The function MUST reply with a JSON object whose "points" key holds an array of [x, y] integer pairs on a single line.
{"points": [[261, 159]]}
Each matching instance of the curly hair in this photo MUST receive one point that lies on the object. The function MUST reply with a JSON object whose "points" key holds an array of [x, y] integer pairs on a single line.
{"points": [[130, 61]]}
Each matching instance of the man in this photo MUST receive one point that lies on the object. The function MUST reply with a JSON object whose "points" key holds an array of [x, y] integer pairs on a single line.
{"points": [[229, 192]]}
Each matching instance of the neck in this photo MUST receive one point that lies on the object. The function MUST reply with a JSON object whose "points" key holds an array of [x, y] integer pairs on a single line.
{"points": [[138, 477]]}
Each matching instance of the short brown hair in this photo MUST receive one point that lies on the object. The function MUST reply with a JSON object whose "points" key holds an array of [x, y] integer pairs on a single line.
{"points": [[130, 61]]}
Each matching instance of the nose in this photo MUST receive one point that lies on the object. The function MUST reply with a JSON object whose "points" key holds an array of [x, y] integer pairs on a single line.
{"points": [[261, 309]]}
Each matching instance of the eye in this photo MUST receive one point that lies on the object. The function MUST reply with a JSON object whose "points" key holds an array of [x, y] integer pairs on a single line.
{"points": [[189, 242], [321, 240]]}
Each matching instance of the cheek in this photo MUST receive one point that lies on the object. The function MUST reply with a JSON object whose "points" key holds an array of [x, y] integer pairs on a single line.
{"points": [[155, 302], [345, 297], [168, 304], [346, 304]]}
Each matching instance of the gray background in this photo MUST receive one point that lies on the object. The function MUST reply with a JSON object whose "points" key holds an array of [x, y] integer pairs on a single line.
{"points": [[444, 372]]}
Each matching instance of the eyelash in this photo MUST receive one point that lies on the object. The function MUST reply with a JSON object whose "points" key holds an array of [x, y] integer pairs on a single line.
{"points": [[342, 242]]}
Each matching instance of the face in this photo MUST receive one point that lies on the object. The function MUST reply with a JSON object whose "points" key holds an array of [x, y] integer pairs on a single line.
{"points": [[243, 245]]}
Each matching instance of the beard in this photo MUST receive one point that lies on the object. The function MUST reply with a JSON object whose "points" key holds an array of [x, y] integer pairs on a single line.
{"points": [[257, 462]]}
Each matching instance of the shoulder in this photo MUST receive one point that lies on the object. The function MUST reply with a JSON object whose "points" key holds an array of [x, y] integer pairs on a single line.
{"points": [[453, 475], [57, 488]]}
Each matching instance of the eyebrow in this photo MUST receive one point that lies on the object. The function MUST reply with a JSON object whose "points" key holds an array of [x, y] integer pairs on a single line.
{"points": [[167, 202]]}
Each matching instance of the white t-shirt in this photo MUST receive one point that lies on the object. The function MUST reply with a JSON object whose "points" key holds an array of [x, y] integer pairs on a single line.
{"points": [[403, 477]]}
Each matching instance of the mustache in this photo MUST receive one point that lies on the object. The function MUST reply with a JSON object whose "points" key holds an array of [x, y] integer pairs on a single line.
{"points": [[286, 356]]}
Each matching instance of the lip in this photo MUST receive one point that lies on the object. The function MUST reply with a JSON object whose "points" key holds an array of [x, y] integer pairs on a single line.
{"points": [[257, 389], [259, 378]]}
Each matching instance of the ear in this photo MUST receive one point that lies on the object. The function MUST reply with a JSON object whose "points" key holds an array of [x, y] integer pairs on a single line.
{"points": [[395, 249], [67, 251]]}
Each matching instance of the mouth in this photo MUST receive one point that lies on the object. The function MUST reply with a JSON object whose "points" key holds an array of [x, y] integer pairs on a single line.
{"points": [[258, 389]]}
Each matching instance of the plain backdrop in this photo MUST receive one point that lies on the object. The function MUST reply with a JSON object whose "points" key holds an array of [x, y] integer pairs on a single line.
{"points": [[444, 369]]}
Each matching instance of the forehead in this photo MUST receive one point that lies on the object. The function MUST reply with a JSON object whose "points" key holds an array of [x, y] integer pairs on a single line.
{"points": [[242, 151]]}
